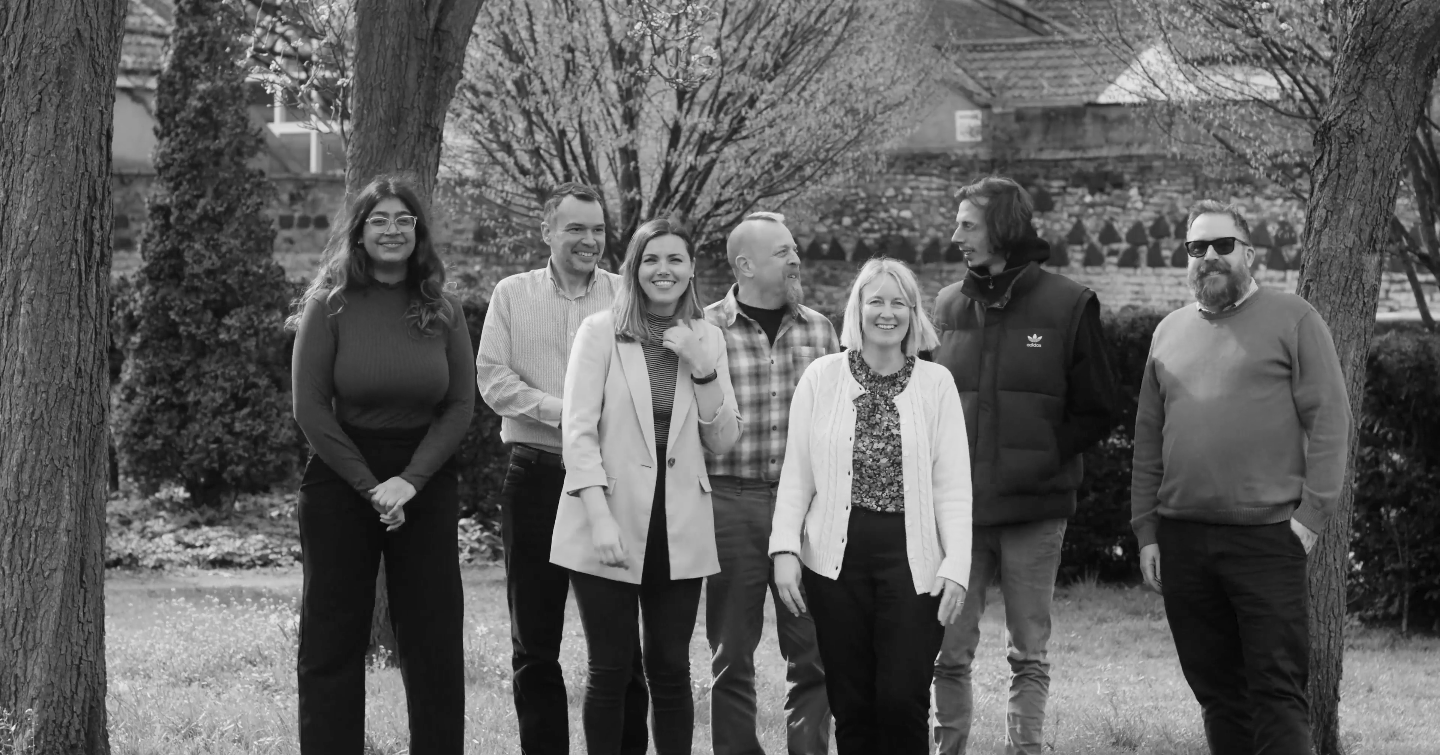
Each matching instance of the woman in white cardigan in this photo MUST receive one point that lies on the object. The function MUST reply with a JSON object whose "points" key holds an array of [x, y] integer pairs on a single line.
{"points": [[874, 501], [647, 394]]}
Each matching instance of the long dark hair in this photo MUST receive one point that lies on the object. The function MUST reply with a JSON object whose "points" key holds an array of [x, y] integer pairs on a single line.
{"points": [[346, 264]]}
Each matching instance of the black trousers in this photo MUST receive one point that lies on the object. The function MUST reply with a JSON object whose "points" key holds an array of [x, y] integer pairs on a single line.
{"points": [[878, 640], [610, 611], [536, 591], [1236, 600], [341, 538]]}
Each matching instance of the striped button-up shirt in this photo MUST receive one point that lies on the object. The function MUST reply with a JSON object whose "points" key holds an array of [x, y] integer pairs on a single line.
{"points": [[525, 347], [765, 377]]}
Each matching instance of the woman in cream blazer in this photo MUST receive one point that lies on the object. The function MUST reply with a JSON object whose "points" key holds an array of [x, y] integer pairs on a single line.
{"points": [[647, 393], [874, 500]]}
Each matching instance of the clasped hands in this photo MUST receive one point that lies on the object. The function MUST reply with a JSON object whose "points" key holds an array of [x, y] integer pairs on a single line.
{"points": [[787, 583], [389, 498]]}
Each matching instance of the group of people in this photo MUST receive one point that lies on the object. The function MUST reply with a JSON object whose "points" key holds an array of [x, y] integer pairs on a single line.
{"points": [[874, 485]]}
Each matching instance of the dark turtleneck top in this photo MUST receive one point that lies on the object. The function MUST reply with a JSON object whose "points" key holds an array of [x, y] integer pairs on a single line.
{"points": [[364, 366]]}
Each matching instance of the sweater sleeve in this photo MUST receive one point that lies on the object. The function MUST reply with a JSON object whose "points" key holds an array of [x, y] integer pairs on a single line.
{"points": [[1090, 392], [1148, 466], [950, 477], [797, 477], [1318, 385], [454, 411], [312, 387]]}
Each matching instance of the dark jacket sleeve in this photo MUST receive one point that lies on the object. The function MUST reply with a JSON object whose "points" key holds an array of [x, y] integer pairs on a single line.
{"points": [[1090, 395], [454, 412]]}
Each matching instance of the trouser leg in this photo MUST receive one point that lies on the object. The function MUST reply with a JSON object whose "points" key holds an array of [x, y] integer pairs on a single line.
{"points": [[669, 609], [953, 693], [1207, 634], [422, 566], [609, 613], [735, 612], [340, 540], [907, 639], [1029, 561], [536, 591]]}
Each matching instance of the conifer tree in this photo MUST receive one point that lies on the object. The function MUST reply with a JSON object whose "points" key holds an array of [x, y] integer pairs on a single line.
{"points": [[203, 399]]}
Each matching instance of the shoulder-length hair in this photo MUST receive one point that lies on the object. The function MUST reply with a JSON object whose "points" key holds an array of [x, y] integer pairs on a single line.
{"points": [[630, 303], [1008, 211], [346, 264], [921, 335]]}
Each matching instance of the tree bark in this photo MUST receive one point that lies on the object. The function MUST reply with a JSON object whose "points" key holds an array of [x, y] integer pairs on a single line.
{"points": [[58, 60], [409, 57], [1388, 51]]}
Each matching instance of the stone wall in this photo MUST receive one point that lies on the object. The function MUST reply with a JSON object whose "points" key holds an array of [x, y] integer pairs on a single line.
{"points": [[1116, 224]]}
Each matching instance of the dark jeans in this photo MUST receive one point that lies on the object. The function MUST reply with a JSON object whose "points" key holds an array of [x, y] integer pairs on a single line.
{"points": [[341, 540], [536, 590], [1236, 600], [878, 639], [735, 618]]}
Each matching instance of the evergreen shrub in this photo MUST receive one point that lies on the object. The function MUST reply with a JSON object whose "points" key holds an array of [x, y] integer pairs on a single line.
{"points": [[203, 396]]}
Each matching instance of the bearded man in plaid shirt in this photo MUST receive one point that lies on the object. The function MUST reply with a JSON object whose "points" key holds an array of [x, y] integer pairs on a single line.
{"points": [[770, 338]]}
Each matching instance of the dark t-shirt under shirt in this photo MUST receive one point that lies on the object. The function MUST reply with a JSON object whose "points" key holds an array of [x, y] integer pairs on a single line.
{"points": [[768, 319]]}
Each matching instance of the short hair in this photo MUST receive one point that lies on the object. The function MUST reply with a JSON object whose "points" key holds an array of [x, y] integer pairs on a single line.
{"points": [[732, 250], [629, 307], [582, 192], [1009, 213], [921, 335], [1215, 207]]}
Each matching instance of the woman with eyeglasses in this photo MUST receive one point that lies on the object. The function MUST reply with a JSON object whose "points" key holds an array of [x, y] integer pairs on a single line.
{"points": [[384, 385], [647, 394]]}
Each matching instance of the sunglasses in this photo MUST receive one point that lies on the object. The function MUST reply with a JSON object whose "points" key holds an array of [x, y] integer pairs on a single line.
{"points": [[1223, 246]]}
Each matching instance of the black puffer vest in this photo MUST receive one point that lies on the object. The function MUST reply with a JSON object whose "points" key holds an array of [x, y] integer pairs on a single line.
{"points": [[1010, 361]]}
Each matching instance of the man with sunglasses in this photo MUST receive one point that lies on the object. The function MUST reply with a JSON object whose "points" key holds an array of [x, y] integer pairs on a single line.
{"points": [[1240, 454], [524, 351]]}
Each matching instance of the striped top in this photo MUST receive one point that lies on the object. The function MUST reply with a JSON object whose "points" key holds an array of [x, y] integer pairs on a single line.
{"points": [[664, 367], [525, 346]]}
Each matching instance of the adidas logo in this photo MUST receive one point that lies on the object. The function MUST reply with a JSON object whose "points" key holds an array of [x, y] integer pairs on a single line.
{"points": [[1034, 341]]}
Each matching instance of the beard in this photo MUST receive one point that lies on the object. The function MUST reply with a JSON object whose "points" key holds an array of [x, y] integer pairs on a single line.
{"points": [[794, 292], [1217, 293]]}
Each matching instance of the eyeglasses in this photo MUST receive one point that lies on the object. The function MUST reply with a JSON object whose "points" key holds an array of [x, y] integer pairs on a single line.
{"points": [[381, 223], [1223, 246]]}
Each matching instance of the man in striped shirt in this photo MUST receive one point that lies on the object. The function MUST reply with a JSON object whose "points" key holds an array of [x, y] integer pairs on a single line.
{"points": [[770, 339], [520, 368]]}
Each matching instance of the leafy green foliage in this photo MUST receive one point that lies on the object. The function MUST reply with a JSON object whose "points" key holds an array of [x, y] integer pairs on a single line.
{"points": [[202, 398]]}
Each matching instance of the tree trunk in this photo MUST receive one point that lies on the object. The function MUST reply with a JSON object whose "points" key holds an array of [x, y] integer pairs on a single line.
{"points": [[58, 60], [1386, 62], [410, 56]]}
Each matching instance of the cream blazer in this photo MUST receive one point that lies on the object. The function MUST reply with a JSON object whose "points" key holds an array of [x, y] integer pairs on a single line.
{"points": [[812, 507], [609, 440]]}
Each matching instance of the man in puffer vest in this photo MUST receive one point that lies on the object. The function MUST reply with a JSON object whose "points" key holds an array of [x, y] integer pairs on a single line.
{"points": [[1029, 359]]}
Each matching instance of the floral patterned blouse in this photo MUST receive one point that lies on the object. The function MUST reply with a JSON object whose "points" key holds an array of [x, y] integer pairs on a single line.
{"points": [[878, 484]]}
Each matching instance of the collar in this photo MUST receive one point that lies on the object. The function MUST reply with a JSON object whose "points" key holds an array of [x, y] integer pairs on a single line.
{"points": [[994, 291], [1249, 292], [730, 307], [555, 280]]}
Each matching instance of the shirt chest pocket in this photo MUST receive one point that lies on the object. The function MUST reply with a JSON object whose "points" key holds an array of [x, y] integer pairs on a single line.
{"points": [[802, 356]]}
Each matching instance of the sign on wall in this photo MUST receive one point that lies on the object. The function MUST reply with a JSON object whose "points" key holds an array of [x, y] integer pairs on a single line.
{"points": [[967, 126]]}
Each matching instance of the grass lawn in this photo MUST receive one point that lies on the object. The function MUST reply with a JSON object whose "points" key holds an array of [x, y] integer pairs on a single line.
{"points": [[204, 662]]}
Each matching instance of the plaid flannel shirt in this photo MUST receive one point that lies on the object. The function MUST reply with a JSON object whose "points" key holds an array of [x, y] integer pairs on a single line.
{"points": [[764, 378]]}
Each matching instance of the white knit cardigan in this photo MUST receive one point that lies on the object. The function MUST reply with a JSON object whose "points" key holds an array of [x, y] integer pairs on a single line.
{"points": [[812, 508]]}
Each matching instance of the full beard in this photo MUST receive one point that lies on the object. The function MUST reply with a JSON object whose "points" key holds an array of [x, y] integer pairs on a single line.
{"points": [[1215, 293]]}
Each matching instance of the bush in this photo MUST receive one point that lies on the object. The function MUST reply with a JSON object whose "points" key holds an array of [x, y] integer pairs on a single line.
{"points": [[202, 394], [1396, 531]]}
